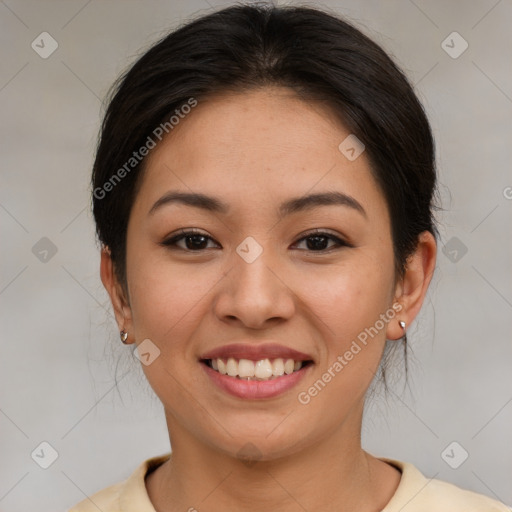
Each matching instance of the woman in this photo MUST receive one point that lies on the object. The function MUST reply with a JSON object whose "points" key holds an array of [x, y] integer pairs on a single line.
{"points": [[263, 192]]}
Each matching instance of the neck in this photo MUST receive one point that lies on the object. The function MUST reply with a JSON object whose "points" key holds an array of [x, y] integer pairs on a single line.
{"points": [[334, 474]]}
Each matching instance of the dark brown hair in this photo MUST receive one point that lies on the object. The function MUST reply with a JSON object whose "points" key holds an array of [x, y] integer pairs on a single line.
{"points": [[320, 56]]}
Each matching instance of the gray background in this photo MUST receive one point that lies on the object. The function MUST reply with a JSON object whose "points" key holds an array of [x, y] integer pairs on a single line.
{"points": [[60, 355]]}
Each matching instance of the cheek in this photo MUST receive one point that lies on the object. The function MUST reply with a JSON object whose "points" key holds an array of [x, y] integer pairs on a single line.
{"points": [[167, 299], [351, 296], [350, 305], [350, 301], [167, 304]]}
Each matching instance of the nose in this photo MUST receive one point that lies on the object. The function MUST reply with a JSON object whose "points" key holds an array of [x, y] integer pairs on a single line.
{"points": [[254, 295]]}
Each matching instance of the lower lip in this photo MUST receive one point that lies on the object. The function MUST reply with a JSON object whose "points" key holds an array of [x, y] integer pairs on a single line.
{"points": [[255, 389]]}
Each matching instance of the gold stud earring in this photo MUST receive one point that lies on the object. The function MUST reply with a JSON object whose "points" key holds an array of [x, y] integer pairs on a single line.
{"points": [[124, 336]]}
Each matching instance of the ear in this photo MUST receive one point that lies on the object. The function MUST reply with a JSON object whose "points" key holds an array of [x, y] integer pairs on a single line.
{"points": [[116, 292], [412, 287]]}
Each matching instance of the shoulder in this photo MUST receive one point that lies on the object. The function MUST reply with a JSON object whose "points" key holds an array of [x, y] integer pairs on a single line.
{"points": [[417, 493], [126, 496], [468, 500]]}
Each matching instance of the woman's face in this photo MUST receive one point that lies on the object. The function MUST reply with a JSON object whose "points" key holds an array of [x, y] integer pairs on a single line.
{"points": [[278, 265]]}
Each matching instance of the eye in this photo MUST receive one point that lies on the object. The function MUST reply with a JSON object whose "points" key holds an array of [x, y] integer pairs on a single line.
{"points": [[318, 241], [192, 241], [196, 241]]}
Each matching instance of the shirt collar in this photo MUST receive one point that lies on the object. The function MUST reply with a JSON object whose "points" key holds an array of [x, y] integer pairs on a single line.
{"points": [[133, 496]]}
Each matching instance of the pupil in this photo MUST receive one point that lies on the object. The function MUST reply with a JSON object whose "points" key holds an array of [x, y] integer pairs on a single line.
{"points": [[192, 242], [316, 242]]}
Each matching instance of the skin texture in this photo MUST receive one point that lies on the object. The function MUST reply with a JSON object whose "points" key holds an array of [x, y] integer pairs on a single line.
{"points": [[254, 151]]}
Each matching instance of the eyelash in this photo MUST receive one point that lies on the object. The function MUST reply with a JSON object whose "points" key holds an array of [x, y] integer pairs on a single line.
{"points": [[171, 242]]}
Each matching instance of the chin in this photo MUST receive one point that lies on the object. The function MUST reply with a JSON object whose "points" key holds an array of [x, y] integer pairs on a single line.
{"points": [[260, 448]]}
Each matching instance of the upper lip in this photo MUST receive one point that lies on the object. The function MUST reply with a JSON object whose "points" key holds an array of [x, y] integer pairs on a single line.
{"points": [[256, 352]]}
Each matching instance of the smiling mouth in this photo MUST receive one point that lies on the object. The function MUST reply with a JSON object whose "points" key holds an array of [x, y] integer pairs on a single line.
{"points": [[261, 370]]}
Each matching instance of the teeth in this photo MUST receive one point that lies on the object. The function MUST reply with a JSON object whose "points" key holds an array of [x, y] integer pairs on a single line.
{"points": [[245, 368], [278, 367], [263, 369], [222, 366], [232, 367]]}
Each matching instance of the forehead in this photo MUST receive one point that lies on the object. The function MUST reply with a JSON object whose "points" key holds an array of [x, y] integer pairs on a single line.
{"points": [[254, 128], [263, 145]]}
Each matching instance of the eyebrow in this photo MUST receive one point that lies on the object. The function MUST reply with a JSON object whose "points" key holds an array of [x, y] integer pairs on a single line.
{"points": [[290, 206]]}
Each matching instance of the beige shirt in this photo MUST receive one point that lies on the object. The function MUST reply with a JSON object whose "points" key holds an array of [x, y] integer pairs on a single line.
{"points": [[415, 493]]}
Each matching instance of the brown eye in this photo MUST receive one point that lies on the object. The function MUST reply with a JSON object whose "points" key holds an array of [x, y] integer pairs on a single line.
{"points": [[195, 242], [189, 241], [317, 242]]}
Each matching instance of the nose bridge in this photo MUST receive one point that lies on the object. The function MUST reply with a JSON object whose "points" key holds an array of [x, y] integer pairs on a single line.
{"points": [[252, 272], [253, 291]]}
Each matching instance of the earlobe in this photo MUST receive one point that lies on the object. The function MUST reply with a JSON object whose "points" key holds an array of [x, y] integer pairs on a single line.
{"points": [[412, 288], [118, 299]]}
